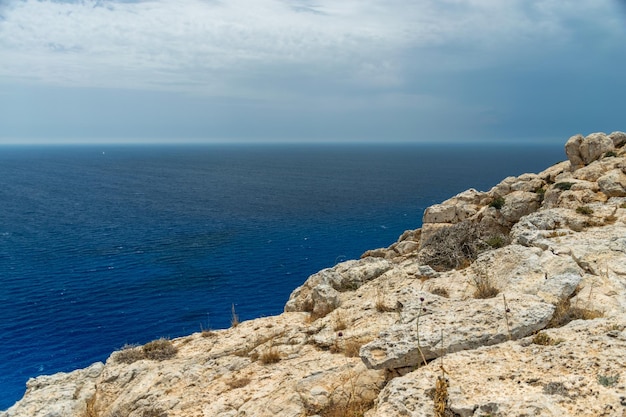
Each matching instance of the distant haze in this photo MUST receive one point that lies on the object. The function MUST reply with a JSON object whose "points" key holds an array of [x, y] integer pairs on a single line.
{"points": [[296, 70]]}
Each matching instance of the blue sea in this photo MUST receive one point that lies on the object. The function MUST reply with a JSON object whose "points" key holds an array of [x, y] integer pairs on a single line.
{"points": [[102, 246]]}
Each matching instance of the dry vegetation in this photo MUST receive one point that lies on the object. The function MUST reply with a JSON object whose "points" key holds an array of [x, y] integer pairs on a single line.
{"points": [[565, 312], [269, 356], [457, 246]]}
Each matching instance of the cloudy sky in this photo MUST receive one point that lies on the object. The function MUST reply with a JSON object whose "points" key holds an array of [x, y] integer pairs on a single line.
{"points": [[310, 70]]}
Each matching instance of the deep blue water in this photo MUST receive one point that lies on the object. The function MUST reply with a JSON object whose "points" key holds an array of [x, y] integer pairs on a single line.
{"points": [[103, 246]]}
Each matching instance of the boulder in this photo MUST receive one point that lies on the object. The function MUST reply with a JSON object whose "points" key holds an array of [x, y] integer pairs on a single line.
{"points": [[572, 150], [618, 138], [594, 147], [320, 293], [519, 204], [613, 183]]}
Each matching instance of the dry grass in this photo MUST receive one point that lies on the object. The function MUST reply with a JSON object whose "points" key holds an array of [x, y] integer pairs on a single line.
{"points": [[584, 210], [235, 383], [90, 407], [271, 355], [129, 354], [381, 304], [352, 347], [339, 322], [483, 284], [208, 333], [441, 397], [354, 408], [234, 318], [543, 339], [565, 312], [159, 350]]}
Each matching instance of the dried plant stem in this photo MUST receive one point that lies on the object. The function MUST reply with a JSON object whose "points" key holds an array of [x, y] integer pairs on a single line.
{"points": [[419, 346], [506, 317]]}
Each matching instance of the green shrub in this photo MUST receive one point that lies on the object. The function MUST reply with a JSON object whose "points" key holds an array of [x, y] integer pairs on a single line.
{"points": [[496, 241], [497, 203], [563, 186], [608, 381], [609, 154], [587, 211]]}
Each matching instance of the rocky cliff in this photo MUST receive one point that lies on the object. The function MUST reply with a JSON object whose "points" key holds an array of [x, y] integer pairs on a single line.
{"points": [[510, 302]]}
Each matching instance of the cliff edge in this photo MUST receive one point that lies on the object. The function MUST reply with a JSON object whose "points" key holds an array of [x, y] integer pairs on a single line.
{"points": [[508, 302]]}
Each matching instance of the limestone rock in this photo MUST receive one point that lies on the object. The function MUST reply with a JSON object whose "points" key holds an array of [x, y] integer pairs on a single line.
{"points": [[572, 150], [320, 292], [519, 204], [594, 146], [466, 325], [562, 378], [613, 184], [58, 395], [618, 138]]}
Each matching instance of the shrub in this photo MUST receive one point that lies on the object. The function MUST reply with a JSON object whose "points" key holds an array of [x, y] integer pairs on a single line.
{"points": [[496, 241], [159, 350], [609, 154], [129, 354], [238, 382], [608, 381], [565, 312], [497, 203], [484, 285], [543, 339], [270, 356], [541, 193], [563, 186], [586, 210], [457, 246]]}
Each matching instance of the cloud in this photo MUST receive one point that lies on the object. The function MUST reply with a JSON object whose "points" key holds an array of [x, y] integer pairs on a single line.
{"points": [[324, 67], [244, 47]]}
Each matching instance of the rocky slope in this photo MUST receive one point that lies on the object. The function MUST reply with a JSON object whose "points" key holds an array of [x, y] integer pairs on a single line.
{"points": [[510, 302]]}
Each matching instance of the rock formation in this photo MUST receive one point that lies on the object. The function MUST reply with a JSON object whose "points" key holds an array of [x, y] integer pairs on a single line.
{"points": [[508, 302]]}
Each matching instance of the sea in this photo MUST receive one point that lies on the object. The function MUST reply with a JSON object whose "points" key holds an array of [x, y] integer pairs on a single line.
{"points": [[107, 245]]}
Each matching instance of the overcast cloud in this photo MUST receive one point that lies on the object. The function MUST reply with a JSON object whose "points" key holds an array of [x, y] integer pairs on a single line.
{"points": [[310, 70]]}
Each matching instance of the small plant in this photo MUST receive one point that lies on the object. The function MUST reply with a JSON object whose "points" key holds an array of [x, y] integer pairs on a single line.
{"points": [[497, 203], [160, 349], [543, 339], [609, 154], [541, 193], [565, 312], [585, 210], [208, 333], [129, 354], [381, 306], [608, 381], [563, 186], [270, 356], [238, 382], [441, 397], [339, 322], [484, 287], [234, 318], [440, 291], [496, 241], [507, 310], [623, 205]]}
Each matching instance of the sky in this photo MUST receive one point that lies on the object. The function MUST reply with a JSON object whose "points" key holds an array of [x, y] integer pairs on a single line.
{"points": [[92, 71]]}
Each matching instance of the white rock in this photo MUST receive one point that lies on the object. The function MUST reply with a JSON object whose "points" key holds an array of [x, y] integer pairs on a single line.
{"points": [[594, 146]]}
